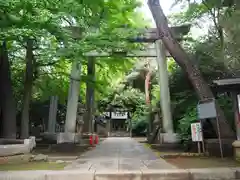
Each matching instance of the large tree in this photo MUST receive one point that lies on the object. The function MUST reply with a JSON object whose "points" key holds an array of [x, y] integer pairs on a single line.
{"points": [[7, 103], [184, 61]]}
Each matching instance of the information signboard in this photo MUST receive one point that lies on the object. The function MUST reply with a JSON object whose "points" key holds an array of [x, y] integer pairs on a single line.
{"points": [[196, 131], [119, 115], [206, 110]]}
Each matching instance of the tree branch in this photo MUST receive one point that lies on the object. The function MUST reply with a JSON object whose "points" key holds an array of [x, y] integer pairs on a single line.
{"points": [[215, 17], [61, 73], [47, 64]]}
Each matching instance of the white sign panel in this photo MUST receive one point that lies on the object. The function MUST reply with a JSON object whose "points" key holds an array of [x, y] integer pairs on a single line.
{"points": [[196, 131], [119, 115], [238, 98], [207, 110], [238, 118]]}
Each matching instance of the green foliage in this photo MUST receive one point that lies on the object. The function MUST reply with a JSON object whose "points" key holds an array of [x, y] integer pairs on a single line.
{"points": [[139, 127], [57, 42], [126, 98], [132, 100], [45, 21], [215, 58], [155, 94], [226, 103], [63, 31], [184, 127]]}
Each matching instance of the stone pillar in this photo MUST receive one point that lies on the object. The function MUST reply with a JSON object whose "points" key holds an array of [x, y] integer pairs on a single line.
{"points": [[73, 93], [130, 127], [236, 106], [164, 88], [52, 114], [165, 102], [88, 120], [69, 135], [108, 127]]}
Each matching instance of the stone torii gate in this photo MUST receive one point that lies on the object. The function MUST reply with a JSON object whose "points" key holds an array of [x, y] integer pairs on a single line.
{"points": [[155, 49]]}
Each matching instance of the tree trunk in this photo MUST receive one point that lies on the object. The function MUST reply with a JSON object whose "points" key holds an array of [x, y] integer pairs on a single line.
{"points": [[27, 94], [176, 51], [7, 104]]}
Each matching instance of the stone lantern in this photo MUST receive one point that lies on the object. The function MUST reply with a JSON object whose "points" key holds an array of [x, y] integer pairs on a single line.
{"points": [[80, 121]]}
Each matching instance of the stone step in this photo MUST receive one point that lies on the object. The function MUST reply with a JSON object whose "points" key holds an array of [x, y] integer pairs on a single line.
{"points": [[166, 174]]}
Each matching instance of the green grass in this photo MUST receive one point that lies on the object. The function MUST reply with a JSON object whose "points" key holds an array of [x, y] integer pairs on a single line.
{"points": [[32, 166], [202, 162], [193, 160], [157, 153]]}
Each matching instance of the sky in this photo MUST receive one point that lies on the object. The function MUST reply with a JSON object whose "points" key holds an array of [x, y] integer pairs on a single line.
{"points": [[168, 9], [166, 6]]}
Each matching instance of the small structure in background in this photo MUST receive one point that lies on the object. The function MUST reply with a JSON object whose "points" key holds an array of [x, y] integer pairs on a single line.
{"points": [[115, 122], [119, 123], [231, 86]]}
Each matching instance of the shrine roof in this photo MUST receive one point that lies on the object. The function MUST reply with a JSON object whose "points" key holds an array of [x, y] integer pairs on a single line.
{"points": [[224, 82], [227, 85]]}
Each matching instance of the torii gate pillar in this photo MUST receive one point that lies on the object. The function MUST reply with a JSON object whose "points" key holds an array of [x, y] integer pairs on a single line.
{"points": [[168, 136], [69, 135]]}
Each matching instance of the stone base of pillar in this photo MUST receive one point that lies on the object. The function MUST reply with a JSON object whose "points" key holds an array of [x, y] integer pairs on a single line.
{"points": [[68, 138], [168, 138], [49, 137]]}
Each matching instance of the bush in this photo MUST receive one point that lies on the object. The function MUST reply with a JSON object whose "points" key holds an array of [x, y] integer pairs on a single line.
{"points": [[184, 126]]}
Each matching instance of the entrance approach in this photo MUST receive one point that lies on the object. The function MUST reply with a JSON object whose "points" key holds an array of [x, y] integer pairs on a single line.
{"points": [[154, 49]]}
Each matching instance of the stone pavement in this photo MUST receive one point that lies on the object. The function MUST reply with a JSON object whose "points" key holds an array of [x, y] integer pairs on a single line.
{"points": [[119, 154], [123, 159]]}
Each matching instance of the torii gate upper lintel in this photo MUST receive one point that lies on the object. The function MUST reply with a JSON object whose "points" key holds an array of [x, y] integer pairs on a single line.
{"points": [[145, 35]]}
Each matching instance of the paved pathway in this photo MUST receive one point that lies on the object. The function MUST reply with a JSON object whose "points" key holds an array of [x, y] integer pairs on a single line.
{"points": [[120, 154]]}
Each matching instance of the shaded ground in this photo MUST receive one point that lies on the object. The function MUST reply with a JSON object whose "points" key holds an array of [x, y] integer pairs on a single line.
{"points": [[120, 153], [140, 139], [21, 162], [113, 154], [185, 160], [18, 166], [201, 162], [65, 149], [64, 154]]}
